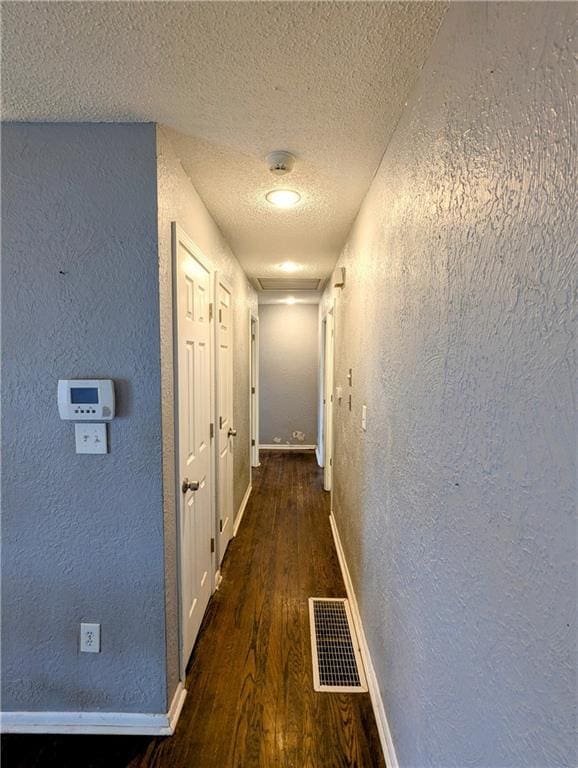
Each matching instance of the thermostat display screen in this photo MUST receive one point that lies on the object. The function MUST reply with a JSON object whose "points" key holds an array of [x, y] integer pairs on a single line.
{"points": [[84, 395]]}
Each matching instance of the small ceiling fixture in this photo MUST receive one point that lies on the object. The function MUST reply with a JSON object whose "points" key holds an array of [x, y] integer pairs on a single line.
{"points": [[290, 300], [280, 162], [283, 198], [289, 266]]}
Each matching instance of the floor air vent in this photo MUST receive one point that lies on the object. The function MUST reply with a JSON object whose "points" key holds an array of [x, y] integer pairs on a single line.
{"points": [[337, 662]]}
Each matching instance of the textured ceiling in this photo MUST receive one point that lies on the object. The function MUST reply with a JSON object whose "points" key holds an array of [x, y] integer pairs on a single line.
{"points": [[234, 81]]}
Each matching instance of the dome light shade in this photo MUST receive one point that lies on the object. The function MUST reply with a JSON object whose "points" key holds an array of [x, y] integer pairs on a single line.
{"points": [[283, 198]]}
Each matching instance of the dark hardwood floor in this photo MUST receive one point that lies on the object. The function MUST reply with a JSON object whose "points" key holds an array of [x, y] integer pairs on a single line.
{"points": [[250, 695]]}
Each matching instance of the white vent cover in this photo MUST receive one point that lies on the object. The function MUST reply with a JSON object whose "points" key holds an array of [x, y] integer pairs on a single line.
{"points": [[337, 664], [289, 283]]}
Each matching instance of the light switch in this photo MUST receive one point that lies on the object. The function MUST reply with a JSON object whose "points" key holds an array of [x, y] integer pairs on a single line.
{"points": [[364, 418], [90, 438]]}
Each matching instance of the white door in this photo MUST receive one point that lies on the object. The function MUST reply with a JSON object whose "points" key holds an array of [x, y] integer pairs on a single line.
{"points": [[225, 428], [254, 368], [329, 398], [192, 282]]}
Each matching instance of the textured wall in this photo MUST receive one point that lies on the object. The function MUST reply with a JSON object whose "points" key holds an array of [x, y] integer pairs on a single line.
{"points": [[178, 201], [82, 535], [457, 506], [288, 365]]}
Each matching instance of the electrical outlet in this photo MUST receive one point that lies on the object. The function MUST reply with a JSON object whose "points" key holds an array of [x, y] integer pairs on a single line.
{"points": [[90, 638]]}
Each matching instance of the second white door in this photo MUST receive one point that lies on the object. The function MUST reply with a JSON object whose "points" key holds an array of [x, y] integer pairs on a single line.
{"points": [[225, 429]]}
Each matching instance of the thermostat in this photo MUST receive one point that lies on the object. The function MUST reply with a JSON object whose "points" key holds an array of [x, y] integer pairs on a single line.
{"points": [[86, 399]]}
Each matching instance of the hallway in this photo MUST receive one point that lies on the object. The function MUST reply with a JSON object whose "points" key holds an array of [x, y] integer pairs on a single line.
{"points": [[250, 695], [254, 253]]}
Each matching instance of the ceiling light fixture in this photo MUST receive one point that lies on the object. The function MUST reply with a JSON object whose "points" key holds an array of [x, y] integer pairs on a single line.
{"points": [[290, 300], [289, 266], [283, 198]]}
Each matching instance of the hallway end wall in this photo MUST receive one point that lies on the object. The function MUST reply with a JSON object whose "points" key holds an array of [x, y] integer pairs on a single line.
{"points": [[457, 507], [288, 374], [179, 201]]}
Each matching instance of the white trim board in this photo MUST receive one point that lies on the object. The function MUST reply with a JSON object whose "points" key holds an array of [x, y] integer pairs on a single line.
{"points": [[374, 692], [111, 723], [318, 456], [241, 511], [287, 447]]}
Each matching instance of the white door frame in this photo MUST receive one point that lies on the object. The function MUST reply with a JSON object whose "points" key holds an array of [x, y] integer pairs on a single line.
{"points": [[254, 389], [178, 231], [328, 392]]}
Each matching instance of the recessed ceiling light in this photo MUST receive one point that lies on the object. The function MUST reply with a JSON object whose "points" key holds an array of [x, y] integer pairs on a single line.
{"points": [[283, 198], [290, 300], [289, 266]]}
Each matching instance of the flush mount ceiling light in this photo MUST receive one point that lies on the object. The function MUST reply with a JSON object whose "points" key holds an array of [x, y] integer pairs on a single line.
{"points": [[290, 300], [283, 198], [289, 266]]}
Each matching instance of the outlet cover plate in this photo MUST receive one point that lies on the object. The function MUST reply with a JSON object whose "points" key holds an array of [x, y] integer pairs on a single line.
{"points": [[89, 638]]}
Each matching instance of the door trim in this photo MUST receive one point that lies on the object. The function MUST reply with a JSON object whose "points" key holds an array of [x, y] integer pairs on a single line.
{"points": [[328, 390], [178, 233]]}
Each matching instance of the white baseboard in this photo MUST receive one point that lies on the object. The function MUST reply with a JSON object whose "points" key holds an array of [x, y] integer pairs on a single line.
{"points": [[241, 511], [112, 723], [374, 692], [287, 447]]}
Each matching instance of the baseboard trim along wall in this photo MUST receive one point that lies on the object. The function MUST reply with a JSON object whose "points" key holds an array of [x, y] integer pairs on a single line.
{"points": [[318, 456], [286, 447], [111, 723], [241, 511], [374, 692]]}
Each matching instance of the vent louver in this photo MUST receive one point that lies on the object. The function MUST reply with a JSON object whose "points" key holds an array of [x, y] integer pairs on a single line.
{"points": [[289, 283], [337, 664]]}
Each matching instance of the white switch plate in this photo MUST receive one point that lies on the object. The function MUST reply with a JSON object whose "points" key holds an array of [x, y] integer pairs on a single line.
{"points": [[364, 418], [90, 438], [90, 638]]}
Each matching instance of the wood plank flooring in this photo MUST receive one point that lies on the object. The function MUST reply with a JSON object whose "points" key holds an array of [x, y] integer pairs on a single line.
{"points": [[250, 699]]}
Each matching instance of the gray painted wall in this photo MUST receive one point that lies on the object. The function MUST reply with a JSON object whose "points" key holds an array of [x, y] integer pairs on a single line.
{"points": [[288, 366], [457, 506], [82, 536], [179, 201]]}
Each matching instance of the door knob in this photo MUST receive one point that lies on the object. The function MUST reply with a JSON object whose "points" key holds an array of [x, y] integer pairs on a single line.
{"points": [[232, 433], [186, 486]]}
